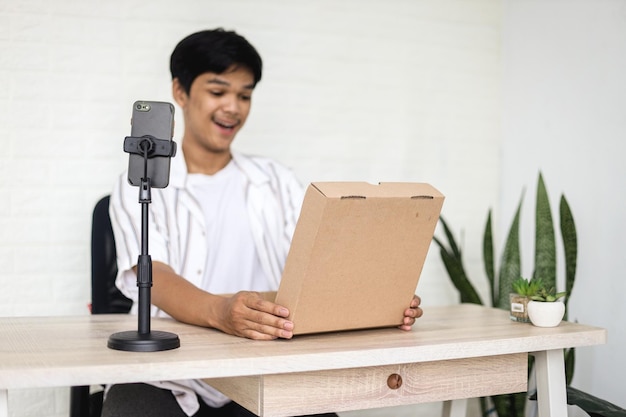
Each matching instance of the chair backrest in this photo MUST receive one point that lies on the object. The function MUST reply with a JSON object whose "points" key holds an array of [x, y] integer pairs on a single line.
{"points": [[105, 297]]}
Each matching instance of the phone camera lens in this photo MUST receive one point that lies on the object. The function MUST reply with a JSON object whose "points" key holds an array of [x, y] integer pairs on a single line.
{"points": [[138, 106]]}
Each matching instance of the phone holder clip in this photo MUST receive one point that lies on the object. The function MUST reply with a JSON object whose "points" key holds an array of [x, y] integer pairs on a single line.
{"points": [[154, 146]]}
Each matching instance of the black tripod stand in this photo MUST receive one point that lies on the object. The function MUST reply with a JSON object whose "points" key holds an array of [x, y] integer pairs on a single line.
{"points": [[145, 340]]}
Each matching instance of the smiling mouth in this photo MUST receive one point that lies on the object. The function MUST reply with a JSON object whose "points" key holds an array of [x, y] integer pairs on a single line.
{"points": [[225, 125]]}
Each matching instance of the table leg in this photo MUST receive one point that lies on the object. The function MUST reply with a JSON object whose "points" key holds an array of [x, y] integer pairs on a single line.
{"points": [[551, 390], [4, 403], [455, 408]]}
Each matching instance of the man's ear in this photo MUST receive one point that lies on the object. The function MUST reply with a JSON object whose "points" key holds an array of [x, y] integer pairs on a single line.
{"points": [[179, 93]]}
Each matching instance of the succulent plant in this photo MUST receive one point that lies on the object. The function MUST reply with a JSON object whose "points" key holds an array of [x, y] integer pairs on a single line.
{"points": [[527, 288], [548, 295]]}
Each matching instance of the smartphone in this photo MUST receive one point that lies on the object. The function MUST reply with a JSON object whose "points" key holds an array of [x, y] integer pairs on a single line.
{"points": [[156, 119]]}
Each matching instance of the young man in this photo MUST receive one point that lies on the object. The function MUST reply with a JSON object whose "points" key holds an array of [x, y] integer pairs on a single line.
{"points": [[222, 226]]}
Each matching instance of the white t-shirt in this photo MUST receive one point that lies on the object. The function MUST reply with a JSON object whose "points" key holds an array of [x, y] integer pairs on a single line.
{"points": [[232, 262]]}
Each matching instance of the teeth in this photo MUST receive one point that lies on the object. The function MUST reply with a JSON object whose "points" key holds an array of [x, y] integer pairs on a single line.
{"points": [[225, 125]]}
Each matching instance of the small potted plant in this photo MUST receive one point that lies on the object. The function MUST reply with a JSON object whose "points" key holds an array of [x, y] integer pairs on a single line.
{"points": [[523, 290], [545, 308]]}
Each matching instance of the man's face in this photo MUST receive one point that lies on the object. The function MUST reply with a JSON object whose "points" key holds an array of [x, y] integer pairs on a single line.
{"points": [[215, 109]]}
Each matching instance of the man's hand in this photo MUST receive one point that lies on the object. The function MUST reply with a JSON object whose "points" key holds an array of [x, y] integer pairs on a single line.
{"points": [[412, 313], [247, 314], [244, 314]]}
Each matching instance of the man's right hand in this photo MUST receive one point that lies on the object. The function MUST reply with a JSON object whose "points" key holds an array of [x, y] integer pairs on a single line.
{"points": [[247, 314], [244, 314]]}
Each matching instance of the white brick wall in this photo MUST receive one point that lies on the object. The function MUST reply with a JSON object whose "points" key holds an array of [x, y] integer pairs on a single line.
{"points": [[352, 90]]}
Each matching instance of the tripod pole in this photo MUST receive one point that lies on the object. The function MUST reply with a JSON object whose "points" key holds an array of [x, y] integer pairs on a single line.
{"points": [[144, 263], [144, 340]]}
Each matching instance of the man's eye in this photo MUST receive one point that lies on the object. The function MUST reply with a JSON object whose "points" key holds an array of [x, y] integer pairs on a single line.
{"points": [[216, 93], [245, 98]]}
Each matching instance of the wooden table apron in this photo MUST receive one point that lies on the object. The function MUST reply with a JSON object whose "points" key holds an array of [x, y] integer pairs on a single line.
{"points": [[460, 351]]}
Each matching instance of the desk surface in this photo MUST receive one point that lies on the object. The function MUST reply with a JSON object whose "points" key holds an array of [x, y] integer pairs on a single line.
{"points": [[65, 351]]}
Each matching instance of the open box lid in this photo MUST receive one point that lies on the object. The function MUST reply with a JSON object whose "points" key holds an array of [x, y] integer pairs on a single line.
{"points": [[357, 254]]}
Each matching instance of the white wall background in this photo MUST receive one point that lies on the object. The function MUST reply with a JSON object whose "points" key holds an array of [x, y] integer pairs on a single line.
{"points": [[564, 108], [400, 90]]}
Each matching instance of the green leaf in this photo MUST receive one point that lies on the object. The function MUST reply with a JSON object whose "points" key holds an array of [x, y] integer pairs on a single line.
{"points": [[570, 246], [457, 274], [453, 262], [453, 246], [488, 257], [484, 406], [510, 405], [502, 404], [520, 403], [510, 268], [570, 361], [545, 247]]}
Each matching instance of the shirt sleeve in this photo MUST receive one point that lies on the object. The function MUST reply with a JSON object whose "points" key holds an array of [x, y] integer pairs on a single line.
{"points": [[292, 194], [127, 236]]}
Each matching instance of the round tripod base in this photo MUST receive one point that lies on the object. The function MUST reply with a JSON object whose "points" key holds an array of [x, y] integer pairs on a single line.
{"points": [[133, 341]]}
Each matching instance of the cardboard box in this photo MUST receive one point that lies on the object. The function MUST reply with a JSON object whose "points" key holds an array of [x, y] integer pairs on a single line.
{"points": [[357, 254]]}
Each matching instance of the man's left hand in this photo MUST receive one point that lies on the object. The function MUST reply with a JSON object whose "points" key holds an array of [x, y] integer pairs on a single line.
{"points": [[412, 313]]}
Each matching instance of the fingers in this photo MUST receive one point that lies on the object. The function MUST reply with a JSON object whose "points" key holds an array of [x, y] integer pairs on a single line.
{"points": [[412, 313], [252, 317], [261, 332], [416, 301]]}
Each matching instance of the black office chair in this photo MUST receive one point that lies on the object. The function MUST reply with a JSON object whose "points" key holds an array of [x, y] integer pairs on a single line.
{"points": [[105, 297]]}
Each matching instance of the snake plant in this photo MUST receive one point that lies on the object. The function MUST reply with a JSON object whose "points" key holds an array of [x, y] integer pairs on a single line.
{"points": [[501, 284]]}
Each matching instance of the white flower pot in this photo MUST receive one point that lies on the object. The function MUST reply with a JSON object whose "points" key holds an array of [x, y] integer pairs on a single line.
{"points": [[545, 314]]}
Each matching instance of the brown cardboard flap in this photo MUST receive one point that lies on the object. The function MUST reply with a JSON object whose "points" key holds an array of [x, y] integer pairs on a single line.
{"points": [[357, 254], [382, 190]]}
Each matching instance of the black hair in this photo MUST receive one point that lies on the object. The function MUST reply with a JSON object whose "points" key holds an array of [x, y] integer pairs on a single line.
{"points": [[214, 51]]}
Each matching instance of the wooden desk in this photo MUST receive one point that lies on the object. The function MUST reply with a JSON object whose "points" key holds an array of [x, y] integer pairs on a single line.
{"points": [[455, 352]]}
